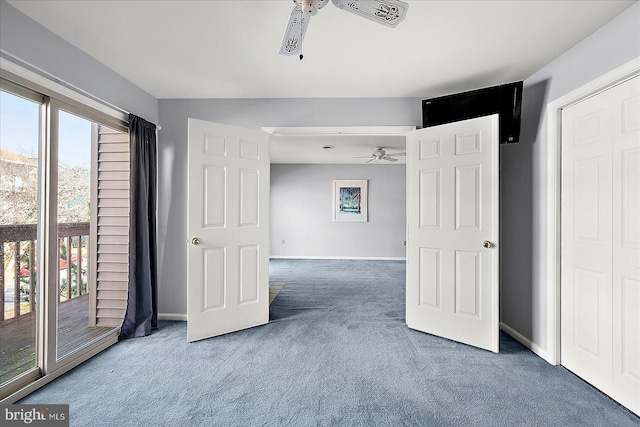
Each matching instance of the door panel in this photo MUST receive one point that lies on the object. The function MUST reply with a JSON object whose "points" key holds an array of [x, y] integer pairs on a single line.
{"points": [[214, 278], [215, 206], [452, 207], [467, 282], [20, 248], [629, 362], [228, 204], [249, 274], [600, 270], [586, 242], [430, 199], [429, 278], [626, 243], [468, 197], [249, 186]]}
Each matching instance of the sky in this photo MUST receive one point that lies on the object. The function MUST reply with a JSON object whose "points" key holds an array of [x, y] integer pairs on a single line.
{"points": [[19, 132]]}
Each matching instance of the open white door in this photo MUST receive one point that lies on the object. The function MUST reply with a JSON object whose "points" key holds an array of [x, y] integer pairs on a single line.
{"points": [[452, 231], [228, 229]]}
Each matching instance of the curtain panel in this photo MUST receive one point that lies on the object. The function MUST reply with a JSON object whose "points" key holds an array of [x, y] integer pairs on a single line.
{"points": [[141, 315]]}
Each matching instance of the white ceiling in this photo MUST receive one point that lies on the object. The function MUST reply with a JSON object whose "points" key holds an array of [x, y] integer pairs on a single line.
{"points": [[229, 49], [305, 145]]}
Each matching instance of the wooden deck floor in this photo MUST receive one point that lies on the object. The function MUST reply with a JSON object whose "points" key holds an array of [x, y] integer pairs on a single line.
{"points": [[17, 336], [275, 286]]}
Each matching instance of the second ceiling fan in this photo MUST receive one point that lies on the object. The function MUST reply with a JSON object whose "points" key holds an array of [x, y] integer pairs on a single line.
{"points": [[381, 154], [386, 12]]}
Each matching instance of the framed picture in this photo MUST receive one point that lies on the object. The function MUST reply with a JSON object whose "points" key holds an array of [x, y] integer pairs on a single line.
{"points": [[350, 200]]}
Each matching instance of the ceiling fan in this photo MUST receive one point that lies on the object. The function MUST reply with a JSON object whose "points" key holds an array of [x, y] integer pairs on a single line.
{"points": [[380, 154], [386, 12]]}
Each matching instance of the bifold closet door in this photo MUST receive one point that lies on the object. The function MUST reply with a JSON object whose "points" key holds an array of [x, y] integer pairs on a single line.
{"points": [[600, 267]]}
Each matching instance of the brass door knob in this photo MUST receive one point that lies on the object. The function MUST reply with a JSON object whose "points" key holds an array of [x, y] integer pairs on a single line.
{"points": [[195, 241], [487, 244]]}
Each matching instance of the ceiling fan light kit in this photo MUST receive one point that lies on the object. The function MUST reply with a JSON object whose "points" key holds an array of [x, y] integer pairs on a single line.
{"points": [[385, 12]]}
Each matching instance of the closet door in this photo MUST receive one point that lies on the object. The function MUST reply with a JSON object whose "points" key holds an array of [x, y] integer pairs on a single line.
{"points": [[600, 270], [626, 243]]}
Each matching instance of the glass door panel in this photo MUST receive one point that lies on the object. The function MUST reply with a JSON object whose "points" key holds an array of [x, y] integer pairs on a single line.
{"points": [[20, 136], [76, 321]]}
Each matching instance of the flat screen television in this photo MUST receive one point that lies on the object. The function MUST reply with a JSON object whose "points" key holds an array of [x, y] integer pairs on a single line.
{"points": [[505, 100]]}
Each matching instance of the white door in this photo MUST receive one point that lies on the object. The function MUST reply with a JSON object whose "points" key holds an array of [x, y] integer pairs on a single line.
{"points": [[600, 264], [228, 229], [452, 209]]}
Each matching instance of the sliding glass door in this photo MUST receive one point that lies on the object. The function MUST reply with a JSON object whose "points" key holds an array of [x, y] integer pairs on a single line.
{"points": [[20, 139], [64, 209]]}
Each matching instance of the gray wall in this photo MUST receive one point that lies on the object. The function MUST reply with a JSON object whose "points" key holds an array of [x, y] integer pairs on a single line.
{"points": [[21, 36], [302, 209], [524, 172], [250, 113]]}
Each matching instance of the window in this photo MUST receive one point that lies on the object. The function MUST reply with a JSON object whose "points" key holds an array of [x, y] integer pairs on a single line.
{"points": [[64, 230]]}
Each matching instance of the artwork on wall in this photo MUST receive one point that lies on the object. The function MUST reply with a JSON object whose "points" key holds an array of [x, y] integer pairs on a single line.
{"points": [[350, 200]]}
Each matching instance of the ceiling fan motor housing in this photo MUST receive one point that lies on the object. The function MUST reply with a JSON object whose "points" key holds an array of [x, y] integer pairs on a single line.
{"points": [[309, 7]]}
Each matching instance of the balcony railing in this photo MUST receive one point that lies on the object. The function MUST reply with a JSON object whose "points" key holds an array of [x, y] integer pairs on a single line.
{"points": [[18, 244]]}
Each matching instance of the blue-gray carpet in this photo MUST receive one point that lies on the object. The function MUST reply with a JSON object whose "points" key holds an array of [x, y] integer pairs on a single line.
{"points": [[336, 352]]}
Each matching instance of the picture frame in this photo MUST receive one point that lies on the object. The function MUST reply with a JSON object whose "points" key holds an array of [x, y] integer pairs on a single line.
{"points": [[350, 200]]}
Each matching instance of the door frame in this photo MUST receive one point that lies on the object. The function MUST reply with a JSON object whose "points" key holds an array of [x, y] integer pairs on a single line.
{"points": [[54, 95], [623, 73]]}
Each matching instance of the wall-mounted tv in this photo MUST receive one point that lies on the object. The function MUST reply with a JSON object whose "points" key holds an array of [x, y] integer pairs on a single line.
{"points": [[505, 100]]}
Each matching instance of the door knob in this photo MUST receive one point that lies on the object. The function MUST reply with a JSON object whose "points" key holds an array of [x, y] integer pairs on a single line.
{"points": [[195, 241], [487, 244]]}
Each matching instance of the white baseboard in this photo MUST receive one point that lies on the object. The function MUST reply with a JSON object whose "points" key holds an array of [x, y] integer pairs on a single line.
{"points": [[355, 258], [172, 316], [525, 341]]}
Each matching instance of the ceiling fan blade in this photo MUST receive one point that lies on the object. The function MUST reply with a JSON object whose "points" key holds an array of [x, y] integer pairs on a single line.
{"points": [[386, 12], [296, 29], [370, 160], [396, 154], [389, 159], [362, 157]]}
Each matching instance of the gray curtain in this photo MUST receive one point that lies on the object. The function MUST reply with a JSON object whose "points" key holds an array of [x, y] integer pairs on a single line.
{"points": [[141, 316]]}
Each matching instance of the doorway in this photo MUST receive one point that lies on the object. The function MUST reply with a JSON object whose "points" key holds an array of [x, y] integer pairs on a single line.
{"points": [[305, 162], [63, 245], [465, 198]]}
